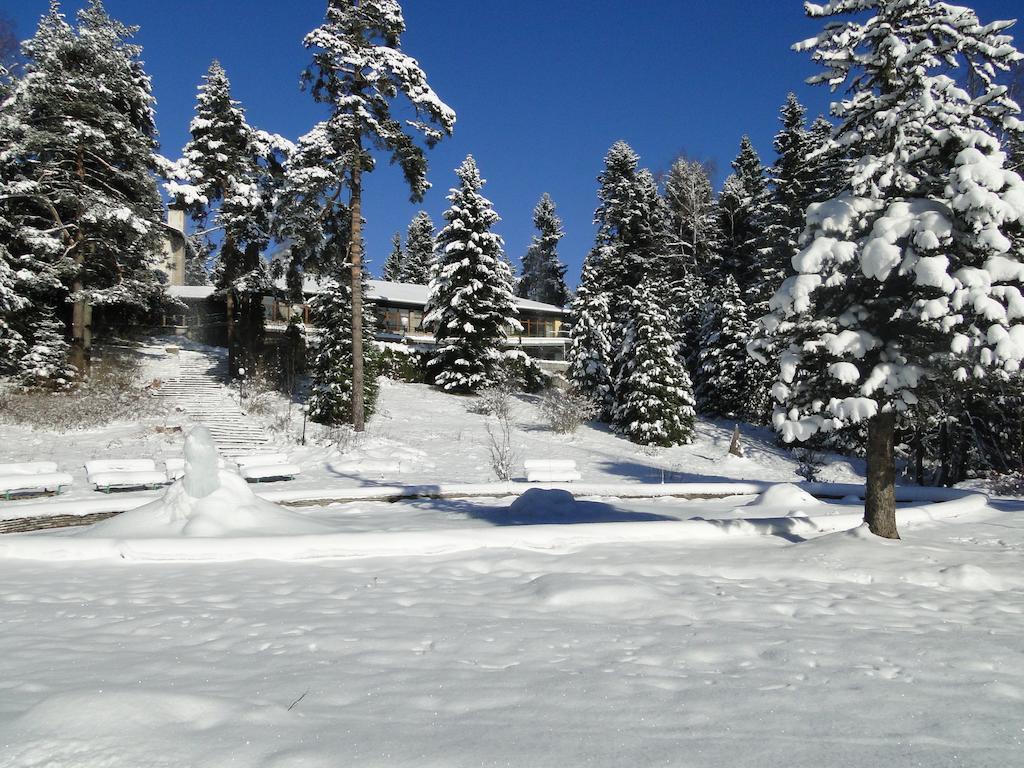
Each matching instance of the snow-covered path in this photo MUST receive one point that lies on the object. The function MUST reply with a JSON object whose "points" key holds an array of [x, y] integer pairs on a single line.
{"points": [[837, 651], [199, 391]]}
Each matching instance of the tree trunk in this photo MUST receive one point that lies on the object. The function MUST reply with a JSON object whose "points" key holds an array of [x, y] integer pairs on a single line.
{"points": [[356, 257], [79, 354], [880, 496], [229, 310]]}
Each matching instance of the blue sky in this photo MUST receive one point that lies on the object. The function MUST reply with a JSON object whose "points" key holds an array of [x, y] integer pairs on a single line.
{"points": [[542, 88]]}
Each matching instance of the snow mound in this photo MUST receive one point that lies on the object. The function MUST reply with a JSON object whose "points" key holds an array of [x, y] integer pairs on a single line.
{"points": [[542, 503], [207, 502], [575, 590], [971, 578], [785, 495]]}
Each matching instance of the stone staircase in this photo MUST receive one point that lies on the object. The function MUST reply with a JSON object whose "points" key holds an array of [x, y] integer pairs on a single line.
{"points": [[200, 392]]}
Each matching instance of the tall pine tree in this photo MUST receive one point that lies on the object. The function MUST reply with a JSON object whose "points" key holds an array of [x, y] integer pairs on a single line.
{"points": [[470, 304], [227, 180], [543, 277], [742, 208], [358, 70], [78, 190]]}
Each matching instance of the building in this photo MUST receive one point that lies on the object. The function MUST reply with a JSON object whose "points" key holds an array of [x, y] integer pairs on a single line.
{"points": [[398, 308]]}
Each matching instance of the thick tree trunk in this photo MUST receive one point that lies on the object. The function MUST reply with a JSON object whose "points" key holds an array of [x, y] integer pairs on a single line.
{"points": [[356, 256], [880, 496]]}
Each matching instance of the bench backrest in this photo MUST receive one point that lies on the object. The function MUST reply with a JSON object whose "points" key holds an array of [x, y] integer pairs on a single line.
{"points": [[550, 465], [29, 468], [120, 465]]}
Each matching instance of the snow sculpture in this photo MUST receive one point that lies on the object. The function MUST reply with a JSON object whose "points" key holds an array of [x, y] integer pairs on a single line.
{"points": [[206, 502], [202, 473]]}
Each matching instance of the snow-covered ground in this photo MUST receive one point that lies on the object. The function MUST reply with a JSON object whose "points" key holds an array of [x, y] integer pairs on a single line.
{"points": [[531, 630], [754, 651]]}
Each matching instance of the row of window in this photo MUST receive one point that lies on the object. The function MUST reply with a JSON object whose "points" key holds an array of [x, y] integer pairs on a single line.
{"points": [[403, 321]]}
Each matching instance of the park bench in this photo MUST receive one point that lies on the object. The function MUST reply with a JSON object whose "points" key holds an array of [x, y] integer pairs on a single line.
{"points": [[124, 474], [266, 466], [551, 471], [29, 477]]}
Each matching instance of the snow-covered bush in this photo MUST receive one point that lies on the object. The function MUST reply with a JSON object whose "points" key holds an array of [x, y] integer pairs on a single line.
{"points": [[503, 456], [566, 409], [523, 372], [399, 362], [495, 401]]}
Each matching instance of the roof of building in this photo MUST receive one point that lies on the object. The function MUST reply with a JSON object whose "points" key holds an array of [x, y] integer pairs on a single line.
{"points": [[381, 291]]}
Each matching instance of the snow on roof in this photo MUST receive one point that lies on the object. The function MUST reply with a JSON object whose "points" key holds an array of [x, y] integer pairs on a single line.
{"points": [[380, 291]]}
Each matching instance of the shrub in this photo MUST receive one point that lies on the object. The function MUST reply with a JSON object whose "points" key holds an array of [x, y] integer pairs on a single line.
{"points": [[566, 410], [401, 363]]}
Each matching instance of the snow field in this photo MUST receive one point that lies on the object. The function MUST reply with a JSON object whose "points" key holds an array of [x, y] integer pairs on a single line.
{"points": [[756, 651]]}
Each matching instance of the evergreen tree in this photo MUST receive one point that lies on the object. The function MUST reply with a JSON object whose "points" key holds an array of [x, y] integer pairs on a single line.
{"points": [[198, 253], [654, 400], [909, 270], [471, 305], [227, 180], [791, 191], [419, 250], [393, 265], [77, 180], [631, 236], [743, 215], [358, 69], [543, 277], [590, 347], [723, 384]]}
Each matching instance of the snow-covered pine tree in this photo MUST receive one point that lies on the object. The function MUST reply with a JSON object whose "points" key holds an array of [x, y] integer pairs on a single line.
{"points": [[742, 214], [543, 277], [227, 180], [87, 221], [471, 305], [12, 344], [590, 347], [631, 236], [393, 266], [358, 70], [722, 381], [790, 194], [419, 250], [910, 268], [654, 397], [826, 162]]}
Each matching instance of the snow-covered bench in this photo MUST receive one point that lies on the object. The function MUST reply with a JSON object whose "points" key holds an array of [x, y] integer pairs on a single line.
{"points": [[551, 471], [121, 474], [40, 476], [266, 466]]}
